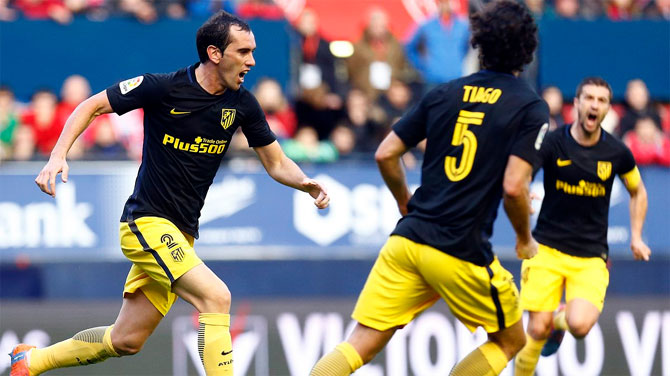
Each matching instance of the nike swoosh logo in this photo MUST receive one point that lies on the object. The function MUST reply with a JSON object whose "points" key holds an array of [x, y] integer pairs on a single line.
{"points": [[175, 112], [563, 162], [226, 352]]}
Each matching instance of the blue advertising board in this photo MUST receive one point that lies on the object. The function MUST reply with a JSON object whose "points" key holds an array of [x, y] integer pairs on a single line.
{"points": [[249, 216]]}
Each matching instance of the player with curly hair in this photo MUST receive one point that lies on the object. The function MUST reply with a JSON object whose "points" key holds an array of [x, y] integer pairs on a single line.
{"points": [[483, 133]]}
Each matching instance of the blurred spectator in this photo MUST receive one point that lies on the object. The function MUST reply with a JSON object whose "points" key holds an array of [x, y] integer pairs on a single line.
{"points": [[536, 8], [378, 57], [366, 124], [278, 112], [174, 9], [318, 109], [554, 98], [306, 147], [316, 64], [44, 9], [9, 121], [566, 9], [266, 10], [592, 9], [93, 9], [439, 45], [394, 102], [143, 10], [6, 13], [648, 144], [344, 140], [637, 105], [658, 9], [42, 120], [75, 89], [106, 143], [23, 148], [622, 10]]}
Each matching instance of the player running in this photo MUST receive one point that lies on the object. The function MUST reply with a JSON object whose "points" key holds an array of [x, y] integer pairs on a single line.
{"points": [[483, 132], [190, 118], [579, 161]]}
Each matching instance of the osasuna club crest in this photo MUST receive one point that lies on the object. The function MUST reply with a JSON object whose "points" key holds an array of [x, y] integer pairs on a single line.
{"points": [[227, 117], [604, 170]]}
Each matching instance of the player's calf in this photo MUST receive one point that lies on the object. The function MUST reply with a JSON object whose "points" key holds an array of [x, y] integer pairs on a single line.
{"points": [[89, 346]]}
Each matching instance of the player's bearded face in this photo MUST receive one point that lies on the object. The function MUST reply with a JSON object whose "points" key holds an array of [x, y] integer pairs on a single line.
{"points": [[592, 106], [238, 58]]}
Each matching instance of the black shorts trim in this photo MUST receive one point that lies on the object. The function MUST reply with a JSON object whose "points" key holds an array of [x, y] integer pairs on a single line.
{"points": [[146, 248], [496, 301]]}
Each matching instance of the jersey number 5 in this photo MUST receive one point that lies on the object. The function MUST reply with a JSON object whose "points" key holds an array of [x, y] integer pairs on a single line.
{"points": [[463, 136]]}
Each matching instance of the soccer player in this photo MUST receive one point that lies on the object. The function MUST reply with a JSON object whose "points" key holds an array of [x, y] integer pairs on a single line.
{"points": [[579, 161], [190, 117], [483, 131]]}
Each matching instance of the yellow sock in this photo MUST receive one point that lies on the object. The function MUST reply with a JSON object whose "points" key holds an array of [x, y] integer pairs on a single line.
{"points": [[486, 360], [526, 359], [86, 347], [214, 344], [560, 321], [342, 361]]}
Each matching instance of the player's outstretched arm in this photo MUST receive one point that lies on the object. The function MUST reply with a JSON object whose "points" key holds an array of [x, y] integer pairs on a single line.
{"points": [[516, 200], [388, 160], [285, 171], [80, 118], [638, 212]]}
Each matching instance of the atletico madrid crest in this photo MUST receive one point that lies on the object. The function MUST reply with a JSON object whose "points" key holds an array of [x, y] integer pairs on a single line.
{"points": [[227, 117], [604, 170]]}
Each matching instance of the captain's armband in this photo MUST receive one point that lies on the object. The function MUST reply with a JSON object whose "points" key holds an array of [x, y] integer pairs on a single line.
{"points": [[631, 179]]}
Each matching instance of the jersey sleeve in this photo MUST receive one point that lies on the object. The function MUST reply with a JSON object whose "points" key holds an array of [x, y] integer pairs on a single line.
{"points": [[534, 127], [139, 92], [627, 161], [411, 128], [255, 126]]}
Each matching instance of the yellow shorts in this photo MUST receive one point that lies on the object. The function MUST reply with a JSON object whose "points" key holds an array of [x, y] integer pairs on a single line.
{"points": [[408, 277], [160, 254], [544, 276]]}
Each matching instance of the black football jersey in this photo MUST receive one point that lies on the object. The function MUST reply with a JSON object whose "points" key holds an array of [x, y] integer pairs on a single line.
{"points": [[187, 131], [472, 125], [577, 187]]}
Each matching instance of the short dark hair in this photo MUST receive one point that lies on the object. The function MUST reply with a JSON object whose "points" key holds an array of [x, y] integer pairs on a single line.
{"points": [[506, 35], [597, 81], [216, 32]]}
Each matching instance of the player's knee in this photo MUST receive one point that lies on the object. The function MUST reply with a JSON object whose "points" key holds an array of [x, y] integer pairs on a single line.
{"points": [[579, 328], [218, 300], [539, 329], [128, 345]]}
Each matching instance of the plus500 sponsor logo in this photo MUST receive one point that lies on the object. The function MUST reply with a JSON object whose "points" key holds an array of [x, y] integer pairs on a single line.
{"points": [[201, 145]]}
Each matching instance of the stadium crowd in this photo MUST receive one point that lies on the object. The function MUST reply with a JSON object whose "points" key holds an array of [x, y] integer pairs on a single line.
{"points": [[340, 108]]}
